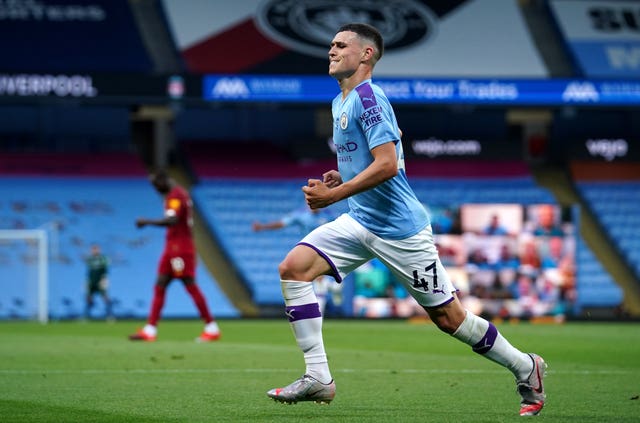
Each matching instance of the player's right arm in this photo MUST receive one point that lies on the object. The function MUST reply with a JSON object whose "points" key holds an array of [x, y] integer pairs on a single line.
{"points": [[383, 167], [257, 226]]}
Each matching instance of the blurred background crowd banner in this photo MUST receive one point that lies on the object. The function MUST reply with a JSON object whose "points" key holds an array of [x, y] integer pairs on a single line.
{"points": [[506, 260]]}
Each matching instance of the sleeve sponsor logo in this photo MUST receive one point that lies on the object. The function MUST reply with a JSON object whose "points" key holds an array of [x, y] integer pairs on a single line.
{"points": [[371, 117], [372, 112]]}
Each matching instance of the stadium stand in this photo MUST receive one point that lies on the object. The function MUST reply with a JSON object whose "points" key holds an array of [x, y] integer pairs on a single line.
{"points": [[80, 200], [125, 100], [612, 192], [616, 205]]}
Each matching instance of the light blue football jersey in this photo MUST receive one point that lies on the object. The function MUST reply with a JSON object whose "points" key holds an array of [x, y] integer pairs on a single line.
{"points": [[365, 120]]}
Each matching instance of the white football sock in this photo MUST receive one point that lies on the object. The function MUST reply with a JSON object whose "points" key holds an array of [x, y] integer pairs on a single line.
{"points": [[211, 328], [306, 322], [150, 330], [484, 339]]}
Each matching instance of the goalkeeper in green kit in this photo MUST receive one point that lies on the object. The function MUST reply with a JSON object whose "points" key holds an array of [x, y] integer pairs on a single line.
{"points": [[97, 281]]}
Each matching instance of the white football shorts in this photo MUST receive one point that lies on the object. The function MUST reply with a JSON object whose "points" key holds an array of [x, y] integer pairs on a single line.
{"points": [[346, 245]]}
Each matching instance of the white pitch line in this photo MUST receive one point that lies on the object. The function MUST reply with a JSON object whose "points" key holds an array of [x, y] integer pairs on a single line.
{"points": [[267, 370]]}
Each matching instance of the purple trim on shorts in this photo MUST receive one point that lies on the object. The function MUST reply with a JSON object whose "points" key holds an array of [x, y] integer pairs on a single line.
{"points": [[486, 343], [442, 304], [334, 270], [304, 311]]}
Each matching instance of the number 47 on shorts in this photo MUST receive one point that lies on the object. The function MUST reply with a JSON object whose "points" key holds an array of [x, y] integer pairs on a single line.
{"points": [[421, 282]]}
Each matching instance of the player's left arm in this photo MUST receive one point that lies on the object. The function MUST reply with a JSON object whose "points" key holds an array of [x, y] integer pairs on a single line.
{"points": [[383, 167], [170, 218], [165, 221]]}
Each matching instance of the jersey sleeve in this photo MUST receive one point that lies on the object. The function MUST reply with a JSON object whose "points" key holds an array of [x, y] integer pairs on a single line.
{"points": [[375, 116], [173, 206]]}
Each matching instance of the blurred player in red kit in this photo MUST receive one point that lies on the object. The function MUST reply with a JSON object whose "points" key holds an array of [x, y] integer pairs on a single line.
{"points": [[178, 260]]}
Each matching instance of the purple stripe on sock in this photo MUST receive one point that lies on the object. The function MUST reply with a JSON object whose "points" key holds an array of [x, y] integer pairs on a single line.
{"points": [[486, 343], [304, 311]]}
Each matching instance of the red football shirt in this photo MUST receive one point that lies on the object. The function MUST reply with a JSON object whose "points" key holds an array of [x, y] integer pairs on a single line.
{"points": [[179, 237]]}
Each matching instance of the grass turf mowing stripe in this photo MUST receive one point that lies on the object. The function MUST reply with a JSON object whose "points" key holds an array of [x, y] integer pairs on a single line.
{"points": [[385, 371]]}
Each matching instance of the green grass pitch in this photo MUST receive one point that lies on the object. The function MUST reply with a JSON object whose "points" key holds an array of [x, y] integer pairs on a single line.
{"points": [[386, 371]]}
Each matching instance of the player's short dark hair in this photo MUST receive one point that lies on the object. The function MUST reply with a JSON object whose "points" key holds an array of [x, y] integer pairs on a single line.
{"points": [[159, 173], [366, 31], [159, 176]]}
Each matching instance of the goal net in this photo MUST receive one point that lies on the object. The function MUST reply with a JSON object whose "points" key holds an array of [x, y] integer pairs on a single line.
{"points": [[24, 274]]}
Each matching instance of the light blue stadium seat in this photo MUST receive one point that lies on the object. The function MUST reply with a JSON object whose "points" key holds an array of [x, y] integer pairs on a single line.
{"points": [[616, 206], [103, 211]]}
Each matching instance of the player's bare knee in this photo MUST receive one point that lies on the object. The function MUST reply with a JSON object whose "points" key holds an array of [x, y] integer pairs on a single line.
{"points": [[287, 271], [290, 270]]}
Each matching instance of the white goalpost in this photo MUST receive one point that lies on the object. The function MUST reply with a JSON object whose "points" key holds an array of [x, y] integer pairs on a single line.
{"points": [[37, 246]]}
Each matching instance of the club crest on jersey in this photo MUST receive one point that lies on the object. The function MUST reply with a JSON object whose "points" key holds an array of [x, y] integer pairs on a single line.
{"points": [[344, 121]]}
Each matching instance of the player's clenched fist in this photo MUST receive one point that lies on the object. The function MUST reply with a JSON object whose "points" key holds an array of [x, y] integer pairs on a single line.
{"points": [[317, 194]]}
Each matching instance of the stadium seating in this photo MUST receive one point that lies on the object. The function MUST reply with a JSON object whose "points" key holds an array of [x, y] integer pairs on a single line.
{"points": [[231, 206], [616, 205], [79, 211], [611, 191], [595, 287]]}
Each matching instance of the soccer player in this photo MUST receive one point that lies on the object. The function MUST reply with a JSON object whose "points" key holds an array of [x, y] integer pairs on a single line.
{"points": [[178, 261], [97, 281], [307, 219], [385, 220]]}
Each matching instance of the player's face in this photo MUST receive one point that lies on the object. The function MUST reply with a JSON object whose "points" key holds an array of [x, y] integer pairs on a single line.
{"points": [[160, 183], [345, 54]]}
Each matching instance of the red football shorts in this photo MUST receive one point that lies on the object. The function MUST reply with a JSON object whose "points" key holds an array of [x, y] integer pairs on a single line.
{"points": [[177, 265]]}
